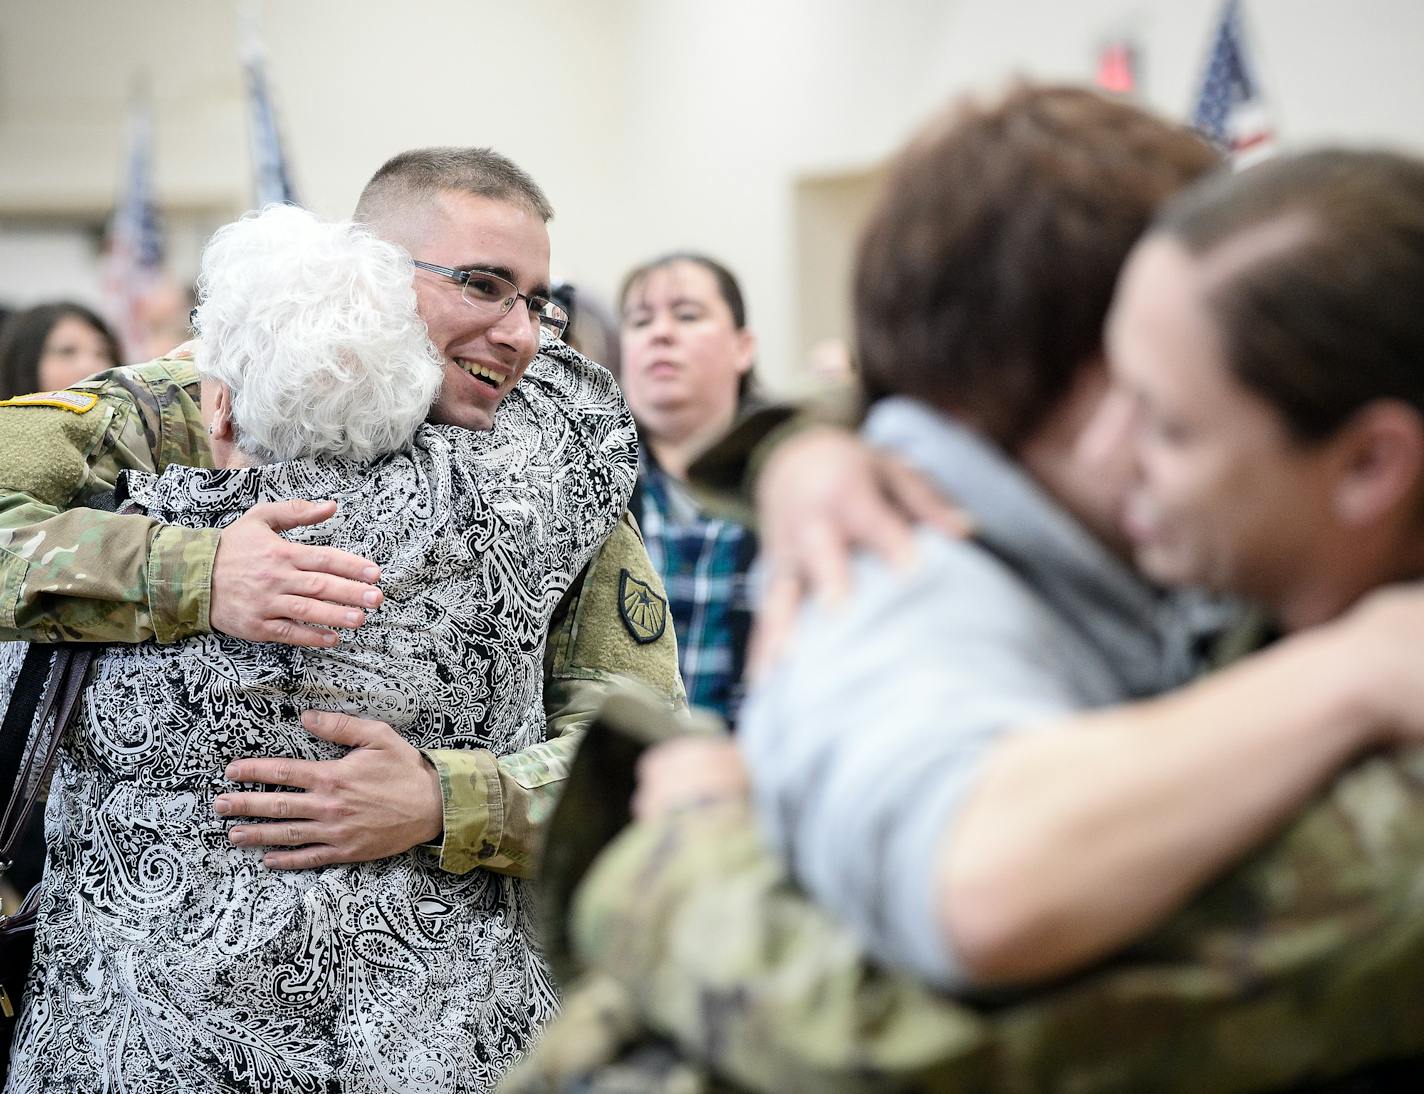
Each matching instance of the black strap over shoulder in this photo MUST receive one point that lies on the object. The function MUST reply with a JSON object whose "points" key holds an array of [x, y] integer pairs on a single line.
{"points": [[20, 714], [63, 685], [50, 682]]}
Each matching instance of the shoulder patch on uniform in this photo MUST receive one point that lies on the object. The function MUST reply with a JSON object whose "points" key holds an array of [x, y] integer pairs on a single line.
{"points": [[76, 402], [642, 610]]}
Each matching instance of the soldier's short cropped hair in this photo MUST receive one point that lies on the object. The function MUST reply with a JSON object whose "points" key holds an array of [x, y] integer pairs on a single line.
{"points": [[985, 274], [1319, 310], [412, 180]]}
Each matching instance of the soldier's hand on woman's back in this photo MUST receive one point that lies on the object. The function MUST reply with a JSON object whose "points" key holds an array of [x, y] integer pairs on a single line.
{"points": [[266, 589], [380, 799], [823, 495]]}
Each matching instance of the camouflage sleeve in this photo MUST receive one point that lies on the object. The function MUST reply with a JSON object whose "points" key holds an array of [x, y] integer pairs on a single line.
{"points": [[496, 810], [724, 477], [1303, 963], [696, 920], [686, 932], [68, 574], [87, 576]]}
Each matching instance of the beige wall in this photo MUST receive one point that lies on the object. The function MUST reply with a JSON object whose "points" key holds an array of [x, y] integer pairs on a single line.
{"points": [[652, 123]]}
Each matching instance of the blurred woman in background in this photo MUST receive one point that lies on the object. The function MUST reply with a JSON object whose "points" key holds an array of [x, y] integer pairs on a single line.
{"points": [[51, 346], [686, 372]]}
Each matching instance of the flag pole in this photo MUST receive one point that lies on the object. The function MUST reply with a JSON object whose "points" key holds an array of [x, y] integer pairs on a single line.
{"points": [[133, 263], [272, 178]]}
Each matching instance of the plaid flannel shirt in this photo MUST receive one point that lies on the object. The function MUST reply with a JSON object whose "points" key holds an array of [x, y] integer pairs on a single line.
{"points": [[704, 562]]}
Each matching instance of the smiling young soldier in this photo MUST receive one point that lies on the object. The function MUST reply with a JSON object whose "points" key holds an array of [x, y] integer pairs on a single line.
{"points": [[475, 224]]}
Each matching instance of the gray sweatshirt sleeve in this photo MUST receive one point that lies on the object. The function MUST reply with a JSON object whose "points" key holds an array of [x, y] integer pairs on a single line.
{"points": [[864, 744]]}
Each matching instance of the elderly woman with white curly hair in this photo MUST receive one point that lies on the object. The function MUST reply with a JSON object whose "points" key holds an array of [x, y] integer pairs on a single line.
{"points": [[166, 959]]}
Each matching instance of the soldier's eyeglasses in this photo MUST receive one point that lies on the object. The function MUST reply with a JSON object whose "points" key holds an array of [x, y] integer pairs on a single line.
{"points": [[494, 296]]}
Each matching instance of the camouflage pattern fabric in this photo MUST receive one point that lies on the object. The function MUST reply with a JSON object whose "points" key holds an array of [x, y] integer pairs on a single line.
{"points": [[496, 813], [74, 574], [1303, 963], [593, 808], [100, 577]]}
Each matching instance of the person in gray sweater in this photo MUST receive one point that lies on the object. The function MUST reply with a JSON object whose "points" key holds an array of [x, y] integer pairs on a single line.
{"points": [[908, 755]]}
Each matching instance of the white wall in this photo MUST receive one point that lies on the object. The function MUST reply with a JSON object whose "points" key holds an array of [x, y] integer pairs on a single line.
{"points": [[652, 123]]}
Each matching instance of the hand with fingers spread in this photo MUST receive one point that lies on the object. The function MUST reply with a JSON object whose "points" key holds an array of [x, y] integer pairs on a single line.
{"points": [[380, 799], [689, 772], [265, 589], [822, 495]]}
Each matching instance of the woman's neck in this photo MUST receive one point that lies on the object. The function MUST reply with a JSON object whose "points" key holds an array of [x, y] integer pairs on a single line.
{"points": [[227, 455], [675, 449]]}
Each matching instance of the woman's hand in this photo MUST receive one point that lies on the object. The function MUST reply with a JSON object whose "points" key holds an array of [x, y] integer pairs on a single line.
{"points": [[823, 495]]}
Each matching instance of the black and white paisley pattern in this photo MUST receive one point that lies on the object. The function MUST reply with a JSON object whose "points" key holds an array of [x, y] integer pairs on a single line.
{"points": [[166, 959]]}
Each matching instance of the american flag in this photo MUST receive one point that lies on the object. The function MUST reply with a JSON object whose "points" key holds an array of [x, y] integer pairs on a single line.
{"points": [[271, 176], [133, 267], [1230, 109]]}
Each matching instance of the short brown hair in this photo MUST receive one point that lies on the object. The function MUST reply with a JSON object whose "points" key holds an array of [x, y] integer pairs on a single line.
{"points": [[413, 179], [985, 275], [727, 286], [1331, 315]]}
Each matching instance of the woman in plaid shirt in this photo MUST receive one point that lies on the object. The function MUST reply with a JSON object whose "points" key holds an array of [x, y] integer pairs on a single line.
{"points": [[687, 369]]}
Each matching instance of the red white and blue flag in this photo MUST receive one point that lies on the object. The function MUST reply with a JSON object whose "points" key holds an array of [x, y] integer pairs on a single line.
{"points": [[1230, 107], [133, 265]]}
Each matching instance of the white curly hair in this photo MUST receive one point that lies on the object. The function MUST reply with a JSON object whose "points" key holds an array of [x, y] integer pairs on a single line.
{"points": [[313, 328]]}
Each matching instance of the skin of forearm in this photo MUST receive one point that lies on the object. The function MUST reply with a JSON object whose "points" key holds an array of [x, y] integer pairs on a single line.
{"points": [[1081, 837]]}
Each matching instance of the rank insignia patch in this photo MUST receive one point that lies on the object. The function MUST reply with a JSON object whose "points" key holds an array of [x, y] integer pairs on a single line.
{"points": [[76, 402], [644, 612]]}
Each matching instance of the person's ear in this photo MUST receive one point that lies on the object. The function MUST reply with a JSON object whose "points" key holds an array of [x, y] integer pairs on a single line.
{"points": [[1379, 461], [222, 425], [746, 351]]}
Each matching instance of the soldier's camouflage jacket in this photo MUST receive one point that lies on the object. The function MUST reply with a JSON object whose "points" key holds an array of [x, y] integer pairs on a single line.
{"points": [[700, 967], [72, 574]]}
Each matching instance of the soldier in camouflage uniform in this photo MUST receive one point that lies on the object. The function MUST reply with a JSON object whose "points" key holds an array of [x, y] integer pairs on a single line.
{"points": [[70, 573], [1303, 963], [705, 968]]}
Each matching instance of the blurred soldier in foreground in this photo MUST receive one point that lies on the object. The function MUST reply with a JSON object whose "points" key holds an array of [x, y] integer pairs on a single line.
{"points": [[922, 760]]}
